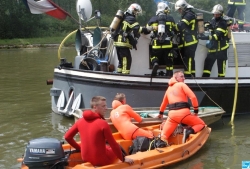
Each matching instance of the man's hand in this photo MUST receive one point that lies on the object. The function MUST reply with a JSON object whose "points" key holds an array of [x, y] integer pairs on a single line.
{"points": [[129, 161], [160, 116], [196, 111]]}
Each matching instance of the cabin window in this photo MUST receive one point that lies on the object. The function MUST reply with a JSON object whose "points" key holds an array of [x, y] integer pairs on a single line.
{"points": [[243, 51]]}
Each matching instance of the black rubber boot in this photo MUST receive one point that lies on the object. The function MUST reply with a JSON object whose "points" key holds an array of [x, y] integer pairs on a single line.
{"points": [[205, 75], [186, 134], [169, 73], [155, 68]]}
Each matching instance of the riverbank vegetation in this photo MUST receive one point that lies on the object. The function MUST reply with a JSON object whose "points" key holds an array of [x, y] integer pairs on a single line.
{"points": [[37, 41], [20, 27]]}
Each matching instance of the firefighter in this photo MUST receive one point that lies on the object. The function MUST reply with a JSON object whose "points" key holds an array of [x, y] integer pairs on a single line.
{"points": [[218, 43], [187, 28], [240, 5], [163, 26], [126, 37]]}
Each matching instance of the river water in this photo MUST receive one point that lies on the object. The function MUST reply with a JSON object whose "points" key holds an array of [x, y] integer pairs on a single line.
{"points": [[25, 114]]}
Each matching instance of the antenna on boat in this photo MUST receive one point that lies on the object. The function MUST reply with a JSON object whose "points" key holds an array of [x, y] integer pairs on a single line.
{"points": [[97, 16], [84, 11]]}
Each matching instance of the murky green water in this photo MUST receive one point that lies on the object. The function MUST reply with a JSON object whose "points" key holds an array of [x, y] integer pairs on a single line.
{"points": [[25, 114]]}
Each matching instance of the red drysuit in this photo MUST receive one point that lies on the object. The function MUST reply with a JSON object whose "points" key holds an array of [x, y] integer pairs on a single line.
{"points": [[94, 132]]}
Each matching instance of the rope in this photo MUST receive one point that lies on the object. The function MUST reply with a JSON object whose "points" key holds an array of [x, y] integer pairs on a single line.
{"points": [[198, 84], [236, 65], [62, 43], [105, 34], [186, 65], [150, 145]]}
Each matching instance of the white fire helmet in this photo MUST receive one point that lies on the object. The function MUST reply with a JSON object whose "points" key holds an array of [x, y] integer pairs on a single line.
{"points": [[162, 7], [134, 9], [182, 4], [217, 9]]}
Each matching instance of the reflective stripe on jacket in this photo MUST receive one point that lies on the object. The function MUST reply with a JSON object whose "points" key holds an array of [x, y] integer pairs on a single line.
{"points": [[219, 35], [170, 26], [128, 27], [188, 28], [237, 2]]}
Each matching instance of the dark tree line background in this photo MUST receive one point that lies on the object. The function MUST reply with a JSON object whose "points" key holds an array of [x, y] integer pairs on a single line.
{"points": [[17, 21]]}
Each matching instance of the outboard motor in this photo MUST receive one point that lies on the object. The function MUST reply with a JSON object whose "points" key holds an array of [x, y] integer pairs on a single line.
{"points": [[44, 153]]}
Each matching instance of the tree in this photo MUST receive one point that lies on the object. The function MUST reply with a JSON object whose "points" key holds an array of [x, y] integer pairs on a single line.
{"points": [[18, 22]]}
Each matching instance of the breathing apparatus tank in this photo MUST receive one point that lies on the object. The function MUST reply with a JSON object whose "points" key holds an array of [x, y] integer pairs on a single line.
{"points": [[116, 21], [228, 29], [162, 10], [161, 24], [200, 23]]}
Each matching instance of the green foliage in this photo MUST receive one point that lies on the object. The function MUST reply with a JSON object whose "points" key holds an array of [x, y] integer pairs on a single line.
{"points": [[18, 22]]}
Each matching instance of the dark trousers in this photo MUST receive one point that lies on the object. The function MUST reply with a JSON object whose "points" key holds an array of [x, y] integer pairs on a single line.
{"points": [[125, 60], [188, 54], [163, 54], [221, 57], [232, 8]]}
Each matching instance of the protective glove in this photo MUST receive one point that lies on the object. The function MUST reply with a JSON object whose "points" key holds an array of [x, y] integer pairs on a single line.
{"points": [[196, 111], [172, 33], [160, 115], [207, 24]]}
